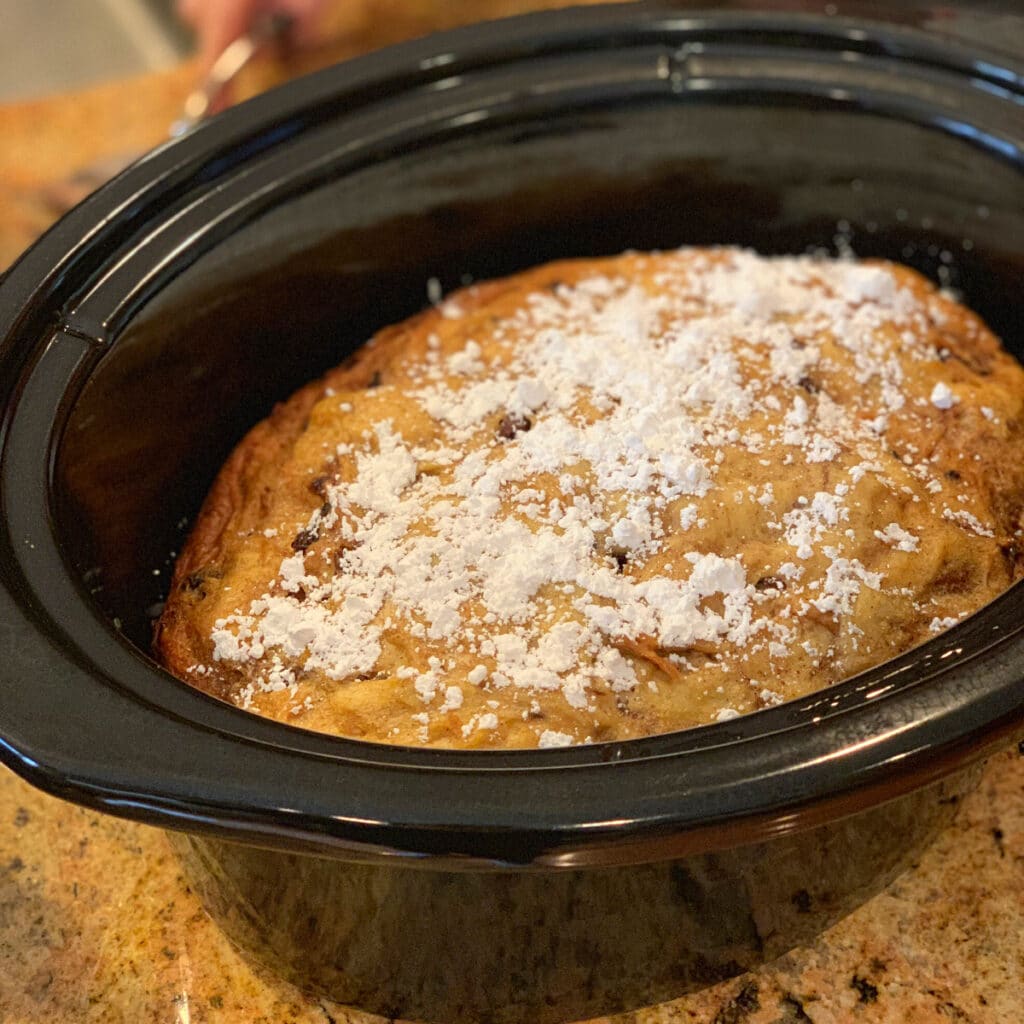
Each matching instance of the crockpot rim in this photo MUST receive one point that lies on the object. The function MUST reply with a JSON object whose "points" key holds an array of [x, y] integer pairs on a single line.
{"points": [[82, 339]]}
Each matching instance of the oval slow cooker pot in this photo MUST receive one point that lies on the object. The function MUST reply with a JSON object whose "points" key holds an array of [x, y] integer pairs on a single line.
{"points": [[162, 317]]}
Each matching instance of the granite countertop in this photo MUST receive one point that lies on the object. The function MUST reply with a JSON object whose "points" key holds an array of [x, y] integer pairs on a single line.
{"points": [[98, 925]]}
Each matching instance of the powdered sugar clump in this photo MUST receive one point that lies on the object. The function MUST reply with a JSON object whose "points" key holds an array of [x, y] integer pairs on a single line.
{"points": [[942, 396]]}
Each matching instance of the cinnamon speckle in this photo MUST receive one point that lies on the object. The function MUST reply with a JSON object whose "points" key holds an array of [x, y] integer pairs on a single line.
{"points": [[512, 424], [866, 991], [304, 539]]}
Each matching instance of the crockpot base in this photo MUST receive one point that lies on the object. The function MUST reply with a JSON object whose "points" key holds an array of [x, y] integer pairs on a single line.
{"points": [[546, 947]]}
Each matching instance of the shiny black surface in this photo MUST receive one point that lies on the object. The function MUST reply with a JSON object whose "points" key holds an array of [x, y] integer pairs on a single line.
{"points": [[545, 947], [223, 270]]}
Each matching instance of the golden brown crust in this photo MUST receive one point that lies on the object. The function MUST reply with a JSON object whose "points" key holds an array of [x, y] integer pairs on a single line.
{"points": [[250, 472], [939, 558]]}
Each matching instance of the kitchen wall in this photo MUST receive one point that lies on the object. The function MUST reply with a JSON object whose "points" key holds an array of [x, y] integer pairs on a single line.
{"points": [[49, 46]]}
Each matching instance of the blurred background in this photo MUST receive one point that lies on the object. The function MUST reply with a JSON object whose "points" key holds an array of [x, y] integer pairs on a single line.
{"points": [[66, 44], [88, 85], [60, 46]]}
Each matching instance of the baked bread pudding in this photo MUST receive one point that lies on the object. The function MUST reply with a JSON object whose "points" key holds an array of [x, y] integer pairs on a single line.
{"points": [[604, 499]]}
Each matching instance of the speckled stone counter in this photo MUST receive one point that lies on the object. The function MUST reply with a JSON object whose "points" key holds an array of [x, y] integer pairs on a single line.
{"points": [[98, 925]]}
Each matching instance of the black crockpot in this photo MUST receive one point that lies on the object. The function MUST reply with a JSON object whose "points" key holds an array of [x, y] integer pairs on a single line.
{"points": [[160, 319]]}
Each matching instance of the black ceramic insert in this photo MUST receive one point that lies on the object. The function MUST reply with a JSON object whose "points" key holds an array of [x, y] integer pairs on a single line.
{"points": [[151, 327]]}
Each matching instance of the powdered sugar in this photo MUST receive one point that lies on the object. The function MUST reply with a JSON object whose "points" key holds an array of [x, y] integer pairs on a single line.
{"points": [[552, 552], [549, 738], [900, 539], [942, 396]]}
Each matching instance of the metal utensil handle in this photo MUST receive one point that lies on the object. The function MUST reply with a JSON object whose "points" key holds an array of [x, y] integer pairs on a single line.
{"points": [[202, 101]]}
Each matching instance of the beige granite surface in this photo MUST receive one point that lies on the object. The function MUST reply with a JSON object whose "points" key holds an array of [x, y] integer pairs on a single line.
{"points": [[98, 925]]}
